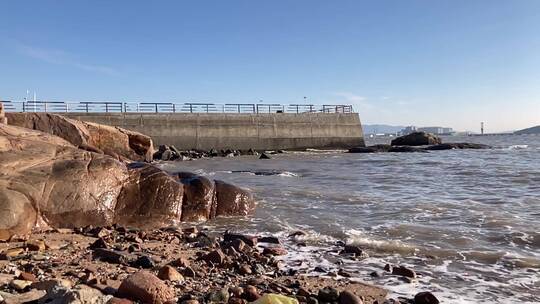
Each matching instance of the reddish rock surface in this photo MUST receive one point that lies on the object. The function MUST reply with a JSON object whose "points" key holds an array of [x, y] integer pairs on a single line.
{"points": [[145, 287]]}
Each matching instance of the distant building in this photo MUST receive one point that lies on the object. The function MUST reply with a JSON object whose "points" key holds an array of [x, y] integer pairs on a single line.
{"points": [[408, 130], [437, 130]]}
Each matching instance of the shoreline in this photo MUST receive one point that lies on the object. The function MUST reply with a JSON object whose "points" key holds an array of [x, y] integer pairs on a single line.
{"points": [[208, 261]]}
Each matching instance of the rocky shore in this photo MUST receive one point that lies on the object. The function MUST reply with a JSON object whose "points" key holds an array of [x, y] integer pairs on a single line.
{"points": [[80, 216], [173, 265]]}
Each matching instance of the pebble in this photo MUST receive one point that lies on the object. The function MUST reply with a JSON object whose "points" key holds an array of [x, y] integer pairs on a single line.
{"points": [[250, 293], [215, 257], [245, 269]]}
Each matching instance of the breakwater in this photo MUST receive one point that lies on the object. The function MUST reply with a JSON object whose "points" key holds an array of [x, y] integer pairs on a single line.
{"points": [[260, 131]]}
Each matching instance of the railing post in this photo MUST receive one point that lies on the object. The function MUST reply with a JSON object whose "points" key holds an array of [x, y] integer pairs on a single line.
{"points": [[45, 106], [106, 107]]}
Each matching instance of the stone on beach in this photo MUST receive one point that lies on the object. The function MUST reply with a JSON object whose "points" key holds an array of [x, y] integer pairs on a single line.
{"points": [[145, 287], [425, 297]]}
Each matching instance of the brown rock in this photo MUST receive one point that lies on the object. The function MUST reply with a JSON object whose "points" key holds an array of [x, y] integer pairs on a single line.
{"points": [[31, 296], [169, 273], [232, 200], [425, 297], [347, 297], [11, 252], [180, 262], [245, 269], [250, 293], [356, 250], [145, 287], [116, 300], [27, 277], [113, 141], [215, 257], [276, 250]]}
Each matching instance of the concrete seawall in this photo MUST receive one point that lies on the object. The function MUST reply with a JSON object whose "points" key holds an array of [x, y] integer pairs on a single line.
{"points": [[239, 131]]}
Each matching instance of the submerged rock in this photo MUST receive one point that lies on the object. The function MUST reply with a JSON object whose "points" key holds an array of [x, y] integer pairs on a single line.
{"points": [[416, 139], [450, 146]]}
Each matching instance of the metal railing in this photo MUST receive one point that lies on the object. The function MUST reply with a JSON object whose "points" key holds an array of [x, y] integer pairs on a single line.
{"points": [[167, 107]]}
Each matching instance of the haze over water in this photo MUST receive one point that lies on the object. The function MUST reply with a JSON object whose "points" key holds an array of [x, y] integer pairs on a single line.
{"points": [[465, 220]]}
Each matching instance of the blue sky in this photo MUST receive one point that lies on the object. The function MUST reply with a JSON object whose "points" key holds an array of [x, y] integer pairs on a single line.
{"points": [[453, 63]]}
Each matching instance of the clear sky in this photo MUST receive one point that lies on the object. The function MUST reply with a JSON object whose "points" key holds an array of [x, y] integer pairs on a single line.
{"points": [[449, 62]]}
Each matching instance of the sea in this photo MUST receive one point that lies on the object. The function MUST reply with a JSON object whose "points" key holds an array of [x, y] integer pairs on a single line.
{"points": [[467, 221]]}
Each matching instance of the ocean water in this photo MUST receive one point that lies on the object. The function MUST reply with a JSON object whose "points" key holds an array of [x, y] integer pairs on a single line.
{"points": [[467, 221]]}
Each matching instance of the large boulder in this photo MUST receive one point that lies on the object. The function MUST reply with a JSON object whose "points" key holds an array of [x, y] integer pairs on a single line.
{"points": [[416, 139], [47, 181], [113, 141]]}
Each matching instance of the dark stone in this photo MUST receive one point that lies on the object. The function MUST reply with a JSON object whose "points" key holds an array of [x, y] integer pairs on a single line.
{"points": [[99, 243], [264, 156], [425, 297], [274, 250], [406, 149], [416, 139], [269, 239], [404, 271], [113, 256], [450, 146], [370, 149], [143, 262], [250, 240], [250, 293], [356, 250], [328, 294]]}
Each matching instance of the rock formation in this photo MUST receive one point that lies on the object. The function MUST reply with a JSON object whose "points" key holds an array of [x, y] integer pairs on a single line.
{"points": [[113, 141], [3, 119], [416, 139], [47, 181]]}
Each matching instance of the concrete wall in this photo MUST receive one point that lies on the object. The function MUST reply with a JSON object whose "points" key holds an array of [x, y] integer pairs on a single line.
{"points": [[239, 131]]}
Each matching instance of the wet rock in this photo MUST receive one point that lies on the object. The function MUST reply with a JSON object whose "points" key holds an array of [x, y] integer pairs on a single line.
{"points": [[269, 239], [425, 297], [275, 250], [405, 149], [215, 257], [238, 245], [248, 239], [232, 200], [170, 273], [344, 273], [145, 287], [416, 139], [404, 271], [328, 294], [452, 146], [370, 149], [251, 293], [347, 297], [388, 267], [297, 234], [36, 245], [375, 274], [356, 250], [264, 156]]}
